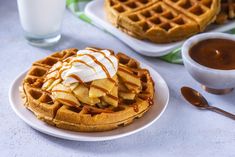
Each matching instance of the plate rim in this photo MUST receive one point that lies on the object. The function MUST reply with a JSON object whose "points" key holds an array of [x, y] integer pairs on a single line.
{"points": [[81, 137]]}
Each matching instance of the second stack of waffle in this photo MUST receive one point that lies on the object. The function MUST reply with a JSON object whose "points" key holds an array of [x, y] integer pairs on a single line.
{"points": [[162, 21]]}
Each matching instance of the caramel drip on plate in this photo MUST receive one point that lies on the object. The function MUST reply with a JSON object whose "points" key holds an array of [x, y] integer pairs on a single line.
{"points": [[97, 62], [76, 78]]}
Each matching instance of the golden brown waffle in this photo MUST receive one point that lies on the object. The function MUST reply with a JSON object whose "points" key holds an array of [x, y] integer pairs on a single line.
{"points": [[38, 101], [85, 117], [123, 6], [227, 11], [162, 21]]}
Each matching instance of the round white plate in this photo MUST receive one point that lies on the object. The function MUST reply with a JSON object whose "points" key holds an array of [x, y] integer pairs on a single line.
{"points": [[160, 103]]}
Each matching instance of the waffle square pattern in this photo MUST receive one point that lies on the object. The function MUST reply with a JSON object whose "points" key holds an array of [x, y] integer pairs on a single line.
{"points": [[161, 21]]}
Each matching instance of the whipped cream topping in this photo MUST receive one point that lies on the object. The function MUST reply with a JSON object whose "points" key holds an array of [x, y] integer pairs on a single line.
{"points": [[89, 65]]}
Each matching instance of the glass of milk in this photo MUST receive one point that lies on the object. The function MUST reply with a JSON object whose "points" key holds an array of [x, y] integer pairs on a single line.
{"points": [[41, 20]]}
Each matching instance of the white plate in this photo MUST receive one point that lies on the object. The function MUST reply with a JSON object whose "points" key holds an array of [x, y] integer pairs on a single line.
{"points": [[96, 12], [160, 103]]}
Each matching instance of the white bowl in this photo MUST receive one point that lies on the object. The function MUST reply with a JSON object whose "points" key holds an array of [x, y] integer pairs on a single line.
{"points": [[214, 80]]}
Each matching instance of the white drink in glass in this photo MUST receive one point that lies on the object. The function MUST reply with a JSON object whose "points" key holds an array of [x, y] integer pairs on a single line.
{"points": [[41, 20]]}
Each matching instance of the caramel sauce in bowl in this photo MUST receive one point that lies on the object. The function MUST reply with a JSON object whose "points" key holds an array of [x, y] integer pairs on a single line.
{"points": [[214, 53], [210, 60]]}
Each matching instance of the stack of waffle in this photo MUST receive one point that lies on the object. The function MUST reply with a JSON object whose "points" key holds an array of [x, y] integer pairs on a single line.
{"points": [[162, 21], [71, 108], [227, 11]]}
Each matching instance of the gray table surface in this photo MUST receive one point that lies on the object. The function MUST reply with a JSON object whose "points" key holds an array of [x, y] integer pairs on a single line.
{"points": [[182, 131]]}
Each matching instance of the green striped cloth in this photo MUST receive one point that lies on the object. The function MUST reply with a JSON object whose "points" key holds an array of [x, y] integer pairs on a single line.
{"points": [[77, 7]]}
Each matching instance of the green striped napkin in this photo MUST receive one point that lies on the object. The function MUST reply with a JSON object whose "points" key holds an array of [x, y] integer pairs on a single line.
{"points": [[77, 7]]}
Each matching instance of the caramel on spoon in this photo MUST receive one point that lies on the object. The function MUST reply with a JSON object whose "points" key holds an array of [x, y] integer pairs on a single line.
{"points": [[195, 98]]}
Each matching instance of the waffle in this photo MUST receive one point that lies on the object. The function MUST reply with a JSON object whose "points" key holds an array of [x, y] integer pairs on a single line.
{"points": [[161, 21], [120, 7], [132, 102], [227, 11]]}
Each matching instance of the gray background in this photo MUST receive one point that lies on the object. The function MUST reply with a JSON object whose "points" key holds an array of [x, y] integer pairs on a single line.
{"points": [[182, 130]]}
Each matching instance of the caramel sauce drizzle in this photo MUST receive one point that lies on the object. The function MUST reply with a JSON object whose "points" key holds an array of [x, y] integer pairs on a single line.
{"points": [[79, 79], [105, 91], [46, 92], [97, 62], [67, 59], [49, 72], [111, 80], [127, 72], [76, 78], [124, 70], [62, 70], [130, 73], [59, 75], [100, 88], [96, 51], [54, 78], [80, 61], [111, 96]]}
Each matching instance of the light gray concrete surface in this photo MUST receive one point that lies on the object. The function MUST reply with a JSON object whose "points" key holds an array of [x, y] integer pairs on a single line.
{"points": [[182, 131]]}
